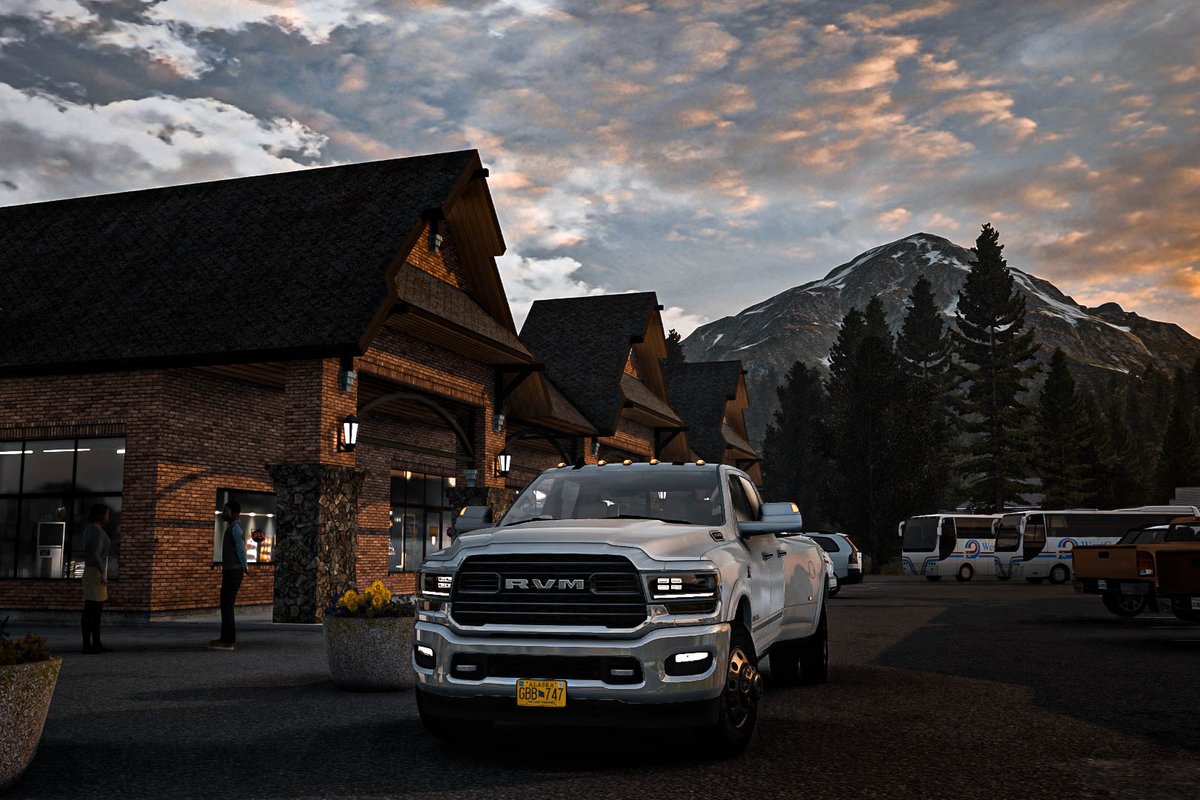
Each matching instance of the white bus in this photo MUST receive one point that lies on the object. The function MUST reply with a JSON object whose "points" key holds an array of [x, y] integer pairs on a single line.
{"points": [[1036, 545], [961, 545]]}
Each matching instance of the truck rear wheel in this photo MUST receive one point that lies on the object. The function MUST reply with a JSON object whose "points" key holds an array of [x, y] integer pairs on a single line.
{"points": [[739, 699], [814, 654], [1059, 574], [1125, 605]]}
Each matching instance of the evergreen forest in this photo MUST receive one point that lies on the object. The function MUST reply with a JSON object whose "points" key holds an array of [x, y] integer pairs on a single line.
{"points": [[966, 416]]}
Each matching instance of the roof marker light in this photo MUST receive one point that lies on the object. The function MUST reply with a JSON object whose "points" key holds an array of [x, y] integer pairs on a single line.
{"points": [[601, 463], [653, 461], [626, 462], [699, 462]]}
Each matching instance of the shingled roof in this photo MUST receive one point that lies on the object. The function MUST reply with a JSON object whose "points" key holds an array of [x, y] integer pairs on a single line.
{"points": [[584, 342], [699, 392], [290, 265]]}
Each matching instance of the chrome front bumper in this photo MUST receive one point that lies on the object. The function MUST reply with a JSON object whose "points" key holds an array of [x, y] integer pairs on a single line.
{"points": [[651, 650]]}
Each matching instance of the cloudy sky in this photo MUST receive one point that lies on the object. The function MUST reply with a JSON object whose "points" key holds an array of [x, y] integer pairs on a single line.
{"points": [[717, 152]]}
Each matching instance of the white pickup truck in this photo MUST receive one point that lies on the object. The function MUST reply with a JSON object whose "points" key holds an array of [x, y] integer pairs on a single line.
{"points": [[621, 594]]}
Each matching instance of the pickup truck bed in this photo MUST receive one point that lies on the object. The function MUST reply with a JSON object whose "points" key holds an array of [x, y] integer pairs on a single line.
{"points": [[1179, 581]]}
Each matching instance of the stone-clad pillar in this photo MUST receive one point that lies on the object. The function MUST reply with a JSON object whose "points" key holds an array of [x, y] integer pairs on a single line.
{"points": [[315, 522]]}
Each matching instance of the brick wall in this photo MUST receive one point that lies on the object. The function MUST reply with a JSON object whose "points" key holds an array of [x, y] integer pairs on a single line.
{"points": [[445, 265]]}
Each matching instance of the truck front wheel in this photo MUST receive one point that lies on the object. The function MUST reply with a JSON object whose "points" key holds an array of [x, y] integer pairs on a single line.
{"points": [[739, 699]]}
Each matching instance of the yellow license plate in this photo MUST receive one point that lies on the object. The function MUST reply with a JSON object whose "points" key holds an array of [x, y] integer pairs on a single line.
{"points": [[542, 694]]}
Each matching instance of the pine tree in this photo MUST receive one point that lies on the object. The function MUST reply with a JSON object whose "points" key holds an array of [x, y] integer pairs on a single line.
{"points": [[925, 349], [866, 433], [674, 347], [1128, 479], [995, 354], [795, 465], [924, 343], [1062, 439], [1179, 461]]}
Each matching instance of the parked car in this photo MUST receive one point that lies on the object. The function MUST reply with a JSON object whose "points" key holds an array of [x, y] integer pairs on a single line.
{"points": [[831, 578], [846, 557]]}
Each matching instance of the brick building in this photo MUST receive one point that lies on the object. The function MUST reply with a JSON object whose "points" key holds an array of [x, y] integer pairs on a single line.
{"points": [[711, 398], [167, 350], [604, 353]]}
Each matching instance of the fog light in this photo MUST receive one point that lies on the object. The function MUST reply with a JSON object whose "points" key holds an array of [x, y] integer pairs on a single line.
{"points": [[424, 656], [689, 663]]}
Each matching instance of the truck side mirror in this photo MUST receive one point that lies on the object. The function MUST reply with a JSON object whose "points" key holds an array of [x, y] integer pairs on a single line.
{"points": [[776, 518], [473, 518]]}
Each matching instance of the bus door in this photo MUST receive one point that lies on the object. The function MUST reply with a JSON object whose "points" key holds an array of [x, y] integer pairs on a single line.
{"points": [[947, 538], [1035, 537]]}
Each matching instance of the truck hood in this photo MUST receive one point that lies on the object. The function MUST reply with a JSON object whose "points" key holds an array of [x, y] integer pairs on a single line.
{"points": [[659, 540]]}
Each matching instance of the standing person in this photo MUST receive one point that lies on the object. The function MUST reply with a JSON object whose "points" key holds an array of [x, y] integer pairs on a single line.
{"points": [[233, 569], [95, 577]]}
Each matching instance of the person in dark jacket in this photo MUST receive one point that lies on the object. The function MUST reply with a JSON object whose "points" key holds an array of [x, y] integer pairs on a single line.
{"points": [[95, 577], [233, 569]]}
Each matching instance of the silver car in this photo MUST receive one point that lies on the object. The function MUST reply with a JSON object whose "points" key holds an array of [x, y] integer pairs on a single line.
{"points": [[831, 578], [847, 560]]}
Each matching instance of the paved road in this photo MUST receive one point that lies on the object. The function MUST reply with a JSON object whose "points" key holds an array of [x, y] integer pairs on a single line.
{"points": [[979, 690]]}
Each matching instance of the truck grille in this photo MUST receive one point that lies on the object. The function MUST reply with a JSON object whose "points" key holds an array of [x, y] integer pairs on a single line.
{"points": [[594, 590]]}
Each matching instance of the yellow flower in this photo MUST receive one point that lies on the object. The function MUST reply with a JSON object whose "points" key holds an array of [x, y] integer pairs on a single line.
{"points": [[350, 601]]}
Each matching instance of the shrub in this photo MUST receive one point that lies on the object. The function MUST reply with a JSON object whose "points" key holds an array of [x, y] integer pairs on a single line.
{"points": [[26, 650]]}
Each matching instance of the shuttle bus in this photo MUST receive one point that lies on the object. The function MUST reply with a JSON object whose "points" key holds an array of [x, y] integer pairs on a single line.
{"points": [[961, 545], [1036, 545]]}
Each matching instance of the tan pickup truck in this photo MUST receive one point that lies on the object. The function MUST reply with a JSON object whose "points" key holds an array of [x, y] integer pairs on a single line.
{"points": [[1127, 574], [1178, 574]]}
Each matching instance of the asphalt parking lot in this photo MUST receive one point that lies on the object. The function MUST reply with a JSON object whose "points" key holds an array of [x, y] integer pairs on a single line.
{"points": [[954, 690]]}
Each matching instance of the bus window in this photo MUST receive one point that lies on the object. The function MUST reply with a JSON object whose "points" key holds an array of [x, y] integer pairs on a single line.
{"points": [[973, 528], [920, 535], [946, 539], [1035, 536], [1008, 533]]}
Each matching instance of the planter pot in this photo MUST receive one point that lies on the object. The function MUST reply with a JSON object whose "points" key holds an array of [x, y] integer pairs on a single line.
{"points": [[25, 692], [370, 655]]}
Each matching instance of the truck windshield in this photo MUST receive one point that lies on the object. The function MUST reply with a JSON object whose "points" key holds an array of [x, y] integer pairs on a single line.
{"points": [[687, 495], [921, 534], [1008, 533]]}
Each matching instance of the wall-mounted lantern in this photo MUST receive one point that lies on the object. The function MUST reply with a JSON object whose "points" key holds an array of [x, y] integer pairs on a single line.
{"points": [[503, 463], [348, 434]]}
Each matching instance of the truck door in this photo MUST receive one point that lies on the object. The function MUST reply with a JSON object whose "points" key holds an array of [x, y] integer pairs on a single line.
{"points": [[766, 586]]}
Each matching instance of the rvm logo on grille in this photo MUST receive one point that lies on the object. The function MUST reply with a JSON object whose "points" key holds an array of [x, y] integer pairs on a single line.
{"points": [[578, 584]]}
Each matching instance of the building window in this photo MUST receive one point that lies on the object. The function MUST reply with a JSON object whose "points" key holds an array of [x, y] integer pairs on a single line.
{"points": [[421, 517], [257, 522], [46, 489]]}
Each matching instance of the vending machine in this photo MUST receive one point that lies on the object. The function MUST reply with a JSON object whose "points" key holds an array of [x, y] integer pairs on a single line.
{"points": [[51, 536]]}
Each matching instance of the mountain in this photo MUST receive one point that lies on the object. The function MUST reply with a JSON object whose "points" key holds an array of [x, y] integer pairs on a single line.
{"points": [[802, 323]]}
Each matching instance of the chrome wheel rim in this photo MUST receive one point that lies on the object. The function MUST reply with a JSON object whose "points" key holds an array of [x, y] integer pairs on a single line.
{"points": [[1130, 603], [743, 688]]}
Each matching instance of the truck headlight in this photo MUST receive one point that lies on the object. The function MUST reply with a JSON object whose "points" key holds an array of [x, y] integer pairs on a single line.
{"points": [[683, 585], [685, 592], [436, 584]]}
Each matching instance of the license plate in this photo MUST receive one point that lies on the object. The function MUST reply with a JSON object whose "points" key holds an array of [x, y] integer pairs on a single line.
{"points": [[1101, 584], [541, 694], [1196, 604]]}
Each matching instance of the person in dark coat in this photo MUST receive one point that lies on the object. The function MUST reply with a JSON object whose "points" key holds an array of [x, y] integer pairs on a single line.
{"points": [[95, 577], [233, 569]]}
